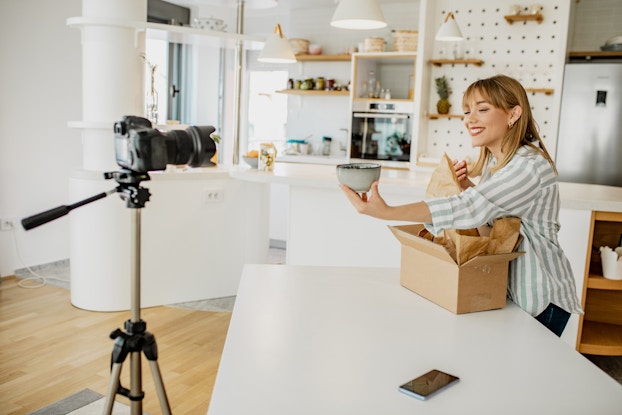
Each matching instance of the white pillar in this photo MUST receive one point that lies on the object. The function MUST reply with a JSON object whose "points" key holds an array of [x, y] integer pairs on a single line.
{"points": [[112, 86]]}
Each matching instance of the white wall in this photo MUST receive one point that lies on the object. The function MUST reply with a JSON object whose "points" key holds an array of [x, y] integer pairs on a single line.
{"points": [[40, 80]]}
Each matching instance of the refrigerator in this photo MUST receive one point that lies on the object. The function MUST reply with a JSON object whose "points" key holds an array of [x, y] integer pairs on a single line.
{"points": [[589, 145]]}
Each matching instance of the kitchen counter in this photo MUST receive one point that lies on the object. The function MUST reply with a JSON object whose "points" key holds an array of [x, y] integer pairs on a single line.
{"points": [[340, 340], [414, 182], [392, 181]]}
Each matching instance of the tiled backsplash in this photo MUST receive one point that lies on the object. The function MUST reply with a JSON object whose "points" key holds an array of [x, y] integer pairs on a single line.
{"points": [[596, 21]]}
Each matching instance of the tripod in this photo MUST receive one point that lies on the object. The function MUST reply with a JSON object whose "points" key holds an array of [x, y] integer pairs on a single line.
{"points": [[135, 339]]}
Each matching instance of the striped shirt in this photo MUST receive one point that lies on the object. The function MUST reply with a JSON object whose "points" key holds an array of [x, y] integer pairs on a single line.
{"points": [[525, 188]]}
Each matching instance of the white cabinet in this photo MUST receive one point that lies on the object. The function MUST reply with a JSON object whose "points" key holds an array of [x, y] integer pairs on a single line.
{"points": [[392, 70], [382, 108]]}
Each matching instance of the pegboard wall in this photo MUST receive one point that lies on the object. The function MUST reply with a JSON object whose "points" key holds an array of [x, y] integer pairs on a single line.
{"points": [[531, 52]]}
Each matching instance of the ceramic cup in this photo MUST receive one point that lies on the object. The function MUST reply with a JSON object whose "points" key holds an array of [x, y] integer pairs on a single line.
{"points": [[612, 266], [315, 49], [515, 9], [358, 176], [535, 8]]}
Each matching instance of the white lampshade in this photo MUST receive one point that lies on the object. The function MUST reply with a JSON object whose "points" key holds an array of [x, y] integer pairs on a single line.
{"points": [[277, 49], [358, 14], [449, 30]]}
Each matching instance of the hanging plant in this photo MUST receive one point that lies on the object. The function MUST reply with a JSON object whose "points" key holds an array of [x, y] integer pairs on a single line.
{"points": [[152, 94]]}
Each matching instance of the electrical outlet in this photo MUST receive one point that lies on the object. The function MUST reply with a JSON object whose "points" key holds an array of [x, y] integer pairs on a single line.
{"points": [[6, 224], [214, 195]]}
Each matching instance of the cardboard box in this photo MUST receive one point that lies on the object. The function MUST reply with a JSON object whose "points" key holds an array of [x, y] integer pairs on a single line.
{"points": [[428, 270]]}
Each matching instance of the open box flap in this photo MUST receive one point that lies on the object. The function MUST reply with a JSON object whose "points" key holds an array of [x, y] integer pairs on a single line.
{"points": [[491, 259], [407, 235]]}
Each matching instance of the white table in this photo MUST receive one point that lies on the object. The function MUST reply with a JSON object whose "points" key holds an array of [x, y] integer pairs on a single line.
{"points": [[334, 340]]}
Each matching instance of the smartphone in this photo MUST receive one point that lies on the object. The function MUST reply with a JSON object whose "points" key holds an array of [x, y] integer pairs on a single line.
{"points": [[428, 384]]}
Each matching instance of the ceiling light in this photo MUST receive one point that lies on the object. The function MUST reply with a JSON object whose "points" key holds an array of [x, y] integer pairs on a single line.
{"points": [[277, 49], [449, 31], [358, 14]]}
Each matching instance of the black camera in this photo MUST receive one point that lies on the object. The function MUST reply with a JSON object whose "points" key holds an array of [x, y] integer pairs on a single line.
{"points": [[140, 148]]}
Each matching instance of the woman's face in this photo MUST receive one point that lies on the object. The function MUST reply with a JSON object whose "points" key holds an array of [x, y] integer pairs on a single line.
{"points": [[486, 124]]}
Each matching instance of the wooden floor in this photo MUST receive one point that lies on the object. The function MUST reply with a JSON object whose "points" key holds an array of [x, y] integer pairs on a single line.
{"points": [[50, 350]]}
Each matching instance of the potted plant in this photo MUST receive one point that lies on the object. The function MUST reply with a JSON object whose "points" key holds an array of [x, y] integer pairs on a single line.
{"points": [[443, 90]]}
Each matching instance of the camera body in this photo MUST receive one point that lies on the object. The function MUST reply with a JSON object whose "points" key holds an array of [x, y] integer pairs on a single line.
{"points": [[140, 148]]}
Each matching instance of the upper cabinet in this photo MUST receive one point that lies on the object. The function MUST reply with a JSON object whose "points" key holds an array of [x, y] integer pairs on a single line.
{"points": [[385, 75]]}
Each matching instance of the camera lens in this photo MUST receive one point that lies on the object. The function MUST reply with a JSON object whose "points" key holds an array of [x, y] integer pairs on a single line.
{"points": [[140, 148], [193, 146]]}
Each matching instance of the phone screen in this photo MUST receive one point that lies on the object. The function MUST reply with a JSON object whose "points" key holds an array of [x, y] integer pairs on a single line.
{"points": [[426, 385]]}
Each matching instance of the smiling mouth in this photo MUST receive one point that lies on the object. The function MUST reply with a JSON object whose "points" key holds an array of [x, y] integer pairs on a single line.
{"points": [[475, 131]]}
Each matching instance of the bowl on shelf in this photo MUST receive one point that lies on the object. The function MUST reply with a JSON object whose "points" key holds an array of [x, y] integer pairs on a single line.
{"points": [[209, 23], [251, 161], [358, 176]]}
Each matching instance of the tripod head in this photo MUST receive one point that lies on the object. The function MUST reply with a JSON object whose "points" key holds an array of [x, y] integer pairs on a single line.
{"points": [[129, 189]]}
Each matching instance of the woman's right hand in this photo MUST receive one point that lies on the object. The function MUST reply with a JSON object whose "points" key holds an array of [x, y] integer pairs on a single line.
{"points": [[371, 205], [462, 173]]}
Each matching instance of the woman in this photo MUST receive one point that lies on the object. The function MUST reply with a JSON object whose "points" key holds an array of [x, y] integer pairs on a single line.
{"points": [[518, 179]]}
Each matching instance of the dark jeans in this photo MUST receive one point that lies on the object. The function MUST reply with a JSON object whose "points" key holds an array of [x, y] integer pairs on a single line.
{"points": [[554, 319]]}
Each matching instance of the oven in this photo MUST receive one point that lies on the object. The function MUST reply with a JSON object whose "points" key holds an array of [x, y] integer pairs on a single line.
{"points": [[381, 131]]}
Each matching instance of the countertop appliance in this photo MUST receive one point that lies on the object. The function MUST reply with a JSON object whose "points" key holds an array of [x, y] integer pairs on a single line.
{"points": [[589, 147]]}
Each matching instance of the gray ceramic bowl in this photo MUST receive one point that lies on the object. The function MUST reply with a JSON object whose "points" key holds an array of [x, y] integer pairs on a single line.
{"points": [[251, 161], [358, 176]]}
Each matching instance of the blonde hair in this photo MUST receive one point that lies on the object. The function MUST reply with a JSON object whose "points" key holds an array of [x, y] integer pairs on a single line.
{"points": [[506, 93]]}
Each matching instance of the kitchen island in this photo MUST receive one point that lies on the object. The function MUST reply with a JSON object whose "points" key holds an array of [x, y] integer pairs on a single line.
{"points": [[340, 340], [324, 229], [212, 226]]}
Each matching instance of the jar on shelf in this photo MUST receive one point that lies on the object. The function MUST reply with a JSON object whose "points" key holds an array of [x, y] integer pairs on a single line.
{"points": [[319, 83], [326, 144]]}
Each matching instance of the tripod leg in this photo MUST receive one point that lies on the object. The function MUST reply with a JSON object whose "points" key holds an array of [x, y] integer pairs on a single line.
{"points": [[113, 387], [136, 393], [159, 385], [150, 348]]}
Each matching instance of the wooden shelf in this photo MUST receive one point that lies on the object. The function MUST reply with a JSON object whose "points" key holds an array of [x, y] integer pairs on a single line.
{"points": [[600, 328], [437, 116], [601, 283], [323, 58], [439, 62], [524, 18], [312, 92], [601, 339], [382, 100], [595, 55], [545, 91]]}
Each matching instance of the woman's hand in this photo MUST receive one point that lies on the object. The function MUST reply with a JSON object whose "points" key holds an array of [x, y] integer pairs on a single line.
{"points": [[375, 206], [460, 167], [372, 205]]}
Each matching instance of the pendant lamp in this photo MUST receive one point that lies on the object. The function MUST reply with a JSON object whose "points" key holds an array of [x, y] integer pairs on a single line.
{"points": [[277, 49], [358, 14], [449, 31]]}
